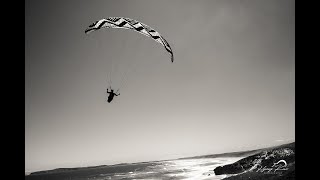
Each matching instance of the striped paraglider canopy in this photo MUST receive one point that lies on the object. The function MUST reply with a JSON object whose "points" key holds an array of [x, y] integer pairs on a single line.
{"points": [[127, 23]]}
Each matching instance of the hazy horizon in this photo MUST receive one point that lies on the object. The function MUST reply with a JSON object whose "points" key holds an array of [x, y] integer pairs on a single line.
{"points": [[230, 88]]}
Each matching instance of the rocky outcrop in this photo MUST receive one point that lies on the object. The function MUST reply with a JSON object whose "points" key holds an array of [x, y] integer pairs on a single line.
{"points": [[273, 162]]}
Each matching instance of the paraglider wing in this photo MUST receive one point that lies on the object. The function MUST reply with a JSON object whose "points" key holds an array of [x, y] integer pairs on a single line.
{"points": [[127, 23]]}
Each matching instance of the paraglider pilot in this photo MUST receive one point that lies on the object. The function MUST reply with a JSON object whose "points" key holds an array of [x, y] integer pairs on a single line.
{"points": [[111, 95]]}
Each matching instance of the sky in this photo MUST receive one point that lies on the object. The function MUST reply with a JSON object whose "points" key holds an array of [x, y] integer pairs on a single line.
{"points": [[230, 88]]}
